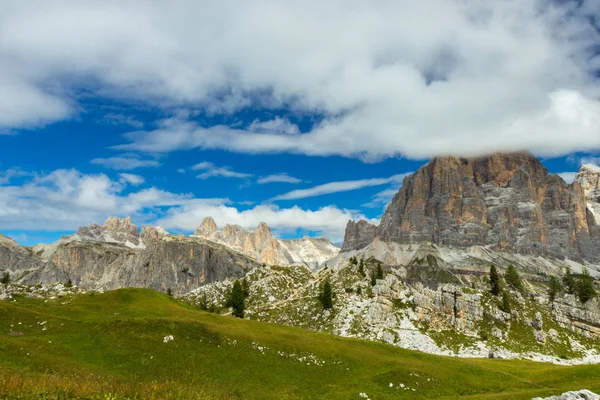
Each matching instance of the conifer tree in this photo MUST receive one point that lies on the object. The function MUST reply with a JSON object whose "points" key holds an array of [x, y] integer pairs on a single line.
{"points": [[513, 278], [169, 292], [359, 291], [379, 271], [505, 306], [585, 286], [373, 278], [246, 287], [5, 278], [569, 281], [361, 268], [326, 295], [69, 283], [495, 281], [237, 300], [554, 287]]}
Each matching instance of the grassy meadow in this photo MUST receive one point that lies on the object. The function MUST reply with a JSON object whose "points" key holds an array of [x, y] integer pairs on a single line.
{"points": [[117, 345]]}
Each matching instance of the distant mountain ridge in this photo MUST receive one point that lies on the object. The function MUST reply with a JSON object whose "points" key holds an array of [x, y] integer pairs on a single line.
{"points": [[507, 202], [262, 246]]}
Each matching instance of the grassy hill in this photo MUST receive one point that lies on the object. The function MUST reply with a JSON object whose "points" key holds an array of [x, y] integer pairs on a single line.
{"points": [[112, 346]]}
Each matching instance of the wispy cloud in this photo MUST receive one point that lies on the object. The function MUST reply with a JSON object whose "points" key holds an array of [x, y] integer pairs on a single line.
{"points": [[283, 178], [335, 187], [125, 162], [210, 171], [132, 179]]}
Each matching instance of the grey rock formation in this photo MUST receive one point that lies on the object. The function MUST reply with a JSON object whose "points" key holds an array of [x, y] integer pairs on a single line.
{"points": [[588, 178], [23, 265], [508, 202], [116, 255], [576, 395], [117, 230], [358, 235], [263, 247]]}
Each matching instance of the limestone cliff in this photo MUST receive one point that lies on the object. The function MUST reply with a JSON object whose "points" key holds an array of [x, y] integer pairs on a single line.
{"points": [[508, 202], [116, 255], [262, 246]]}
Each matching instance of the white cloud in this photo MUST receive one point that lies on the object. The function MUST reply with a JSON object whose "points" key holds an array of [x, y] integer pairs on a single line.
{"points": [[282, 178], [568, 177], [132, 179], [125, 162], [210, 171], [329, 221], [388, 77], [589, 160], [65, 199], [335, 187], [277, 125]]}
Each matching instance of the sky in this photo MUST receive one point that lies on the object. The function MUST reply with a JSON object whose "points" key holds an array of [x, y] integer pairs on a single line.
{"points": [[303, 115]]}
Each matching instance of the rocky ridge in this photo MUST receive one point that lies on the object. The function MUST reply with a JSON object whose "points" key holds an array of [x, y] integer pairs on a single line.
{"points": [[504, 202], [263, 247], [445, 315], [117, 255]]}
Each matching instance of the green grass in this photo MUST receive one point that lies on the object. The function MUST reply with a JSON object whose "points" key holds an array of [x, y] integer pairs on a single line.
{"points": [[110, 346]]}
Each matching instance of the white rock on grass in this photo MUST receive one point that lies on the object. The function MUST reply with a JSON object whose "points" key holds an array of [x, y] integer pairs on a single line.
{"points": [[577, 395]]}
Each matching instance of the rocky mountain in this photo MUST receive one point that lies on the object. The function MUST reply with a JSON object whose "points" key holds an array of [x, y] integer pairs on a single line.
{"points": [[263, 247], [588, 178], [117, 255], [503, 202], [422, 306]]}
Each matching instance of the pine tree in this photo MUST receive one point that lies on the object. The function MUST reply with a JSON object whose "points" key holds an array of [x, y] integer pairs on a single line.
{"points": [[513, 278], [69, 283], [359, 291], [325, 297], [585, 286], [379, 271], [5, 278], [554, 287], [373, 278], [569, 281], [246, 287], [495, 281], [169, 292], [505, 306], [237, 300], [361, 268]]}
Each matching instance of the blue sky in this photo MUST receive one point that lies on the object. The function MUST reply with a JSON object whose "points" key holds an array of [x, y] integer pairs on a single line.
{"points": [[302, 116]]}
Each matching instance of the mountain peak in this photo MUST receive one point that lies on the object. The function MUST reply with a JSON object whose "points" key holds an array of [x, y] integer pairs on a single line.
{"points": [[207, 227], [507, 201]]}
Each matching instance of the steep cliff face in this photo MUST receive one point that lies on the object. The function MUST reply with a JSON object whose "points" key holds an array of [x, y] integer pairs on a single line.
{"points": [[174, 262], [116, 255], [358, 235], [262, 246], [508, 202], [588, 178], [23, 265]]}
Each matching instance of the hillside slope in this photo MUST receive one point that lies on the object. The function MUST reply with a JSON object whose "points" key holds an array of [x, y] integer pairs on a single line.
{"points": [[137, 343]]}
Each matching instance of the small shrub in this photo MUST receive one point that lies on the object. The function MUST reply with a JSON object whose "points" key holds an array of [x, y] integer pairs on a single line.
{"points": [[169, 292], [5, 278], [505, 305]]}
